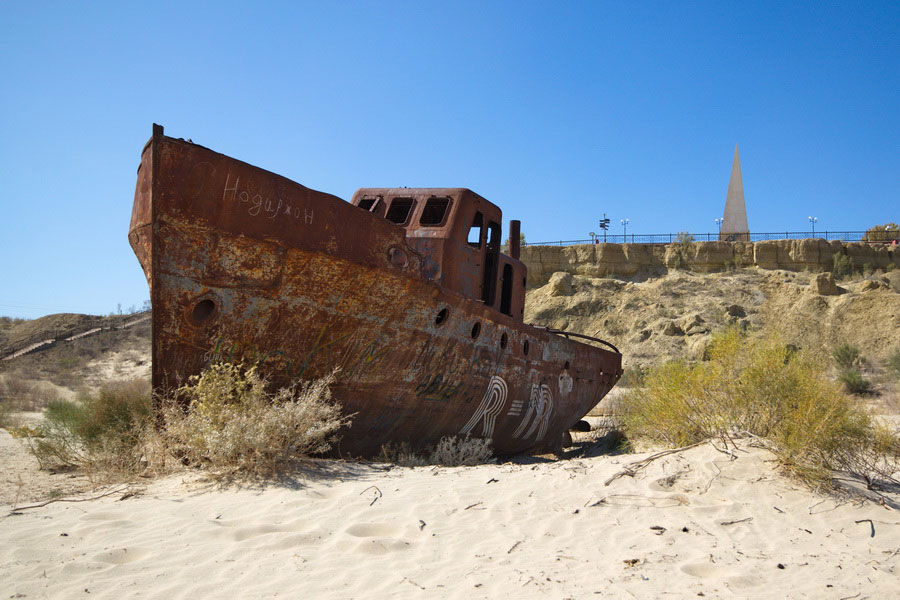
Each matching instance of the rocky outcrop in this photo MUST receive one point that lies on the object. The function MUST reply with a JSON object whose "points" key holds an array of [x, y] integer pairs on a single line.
{"points": [[824, 285], [604, 260]]}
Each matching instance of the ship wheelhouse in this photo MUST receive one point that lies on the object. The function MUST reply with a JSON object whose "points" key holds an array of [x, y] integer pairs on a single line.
{"points": [[458, 233]]}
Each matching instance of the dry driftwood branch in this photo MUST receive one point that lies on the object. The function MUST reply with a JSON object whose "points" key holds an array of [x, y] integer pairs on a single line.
{"points": [[378, 494], [636, 466], [726, 523], [109, 493], [871, 524]]}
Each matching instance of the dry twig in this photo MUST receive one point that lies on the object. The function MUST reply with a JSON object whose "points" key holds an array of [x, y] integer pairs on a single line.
{"points": [[632, 469], [109, 493]]}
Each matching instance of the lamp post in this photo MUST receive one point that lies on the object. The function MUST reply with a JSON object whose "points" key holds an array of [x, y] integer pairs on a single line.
{"points": [[719, 224], [624, 223], [593, 235], [813, 220]]}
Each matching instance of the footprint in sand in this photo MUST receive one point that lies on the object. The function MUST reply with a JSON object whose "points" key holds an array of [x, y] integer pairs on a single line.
{"points": [[246, 533], [382, 538], [299, 539], [706, 570], [122, 556], [372, 530]]}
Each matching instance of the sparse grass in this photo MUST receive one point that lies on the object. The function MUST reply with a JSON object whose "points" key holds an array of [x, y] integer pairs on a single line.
{"points": [[765, 389], [237, 429], [450, 451]]}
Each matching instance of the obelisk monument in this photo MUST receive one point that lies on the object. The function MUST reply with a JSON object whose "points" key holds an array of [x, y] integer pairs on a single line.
{"points": [[734, 221]]}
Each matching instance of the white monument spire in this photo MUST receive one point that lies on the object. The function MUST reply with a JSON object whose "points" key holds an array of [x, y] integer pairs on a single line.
{"points": [[734, 223]]}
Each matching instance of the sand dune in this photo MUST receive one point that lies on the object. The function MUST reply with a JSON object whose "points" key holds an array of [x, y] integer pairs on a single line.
{"points": [[692, 524]]}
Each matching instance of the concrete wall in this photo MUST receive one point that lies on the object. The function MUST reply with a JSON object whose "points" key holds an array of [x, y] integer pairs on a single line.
{"points": [[602, 260]]}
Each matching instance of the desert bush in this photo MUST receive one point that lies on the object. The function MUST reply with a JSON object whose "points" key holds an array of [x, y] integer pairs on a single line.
{"points": [[893, 363], [845, 355], [402, 454], [633, 376], [236, 428], [450, 451], [466, 451], [102, 434], [855, 383], [883, 233], [842, 265], [24, 395], [762, 388], [682, 249]]}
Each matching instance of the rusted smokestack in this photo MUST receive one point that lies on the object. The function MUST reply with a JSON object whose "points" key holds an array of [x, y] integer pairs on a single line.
{"points": [[514, 227]]}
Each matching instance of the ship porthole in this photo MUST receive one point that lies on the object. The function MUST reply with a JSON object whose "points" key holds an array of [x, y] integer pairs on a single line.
{"points": [[203, 311], [476, 330], [441, 317], [504, 340], [525, 348]]}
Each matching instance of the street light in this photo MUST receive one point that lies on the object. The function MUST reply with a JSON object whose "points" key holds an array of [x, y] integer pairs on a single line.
{"points": [[814, 220], [719, 224], [624, 223], [593, 235]]}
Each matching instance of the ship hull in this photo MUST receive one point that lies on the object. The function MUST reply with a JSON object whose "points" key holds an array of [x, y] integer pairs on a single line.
{"points": [[245, 265]]}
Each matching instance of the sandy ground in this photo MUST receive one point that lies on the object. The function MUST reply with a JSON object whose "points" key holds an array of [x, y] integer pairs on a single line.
{"points": [[698, 523]]}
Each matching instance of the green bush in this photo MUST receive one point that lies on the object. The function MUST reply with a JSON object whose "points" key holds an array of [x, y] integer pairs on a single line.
{"points": [[855, 382], [236, 428], [845, 355], [763, 388], [893, 363], [842, 265], [682, 250], [102, 434]]}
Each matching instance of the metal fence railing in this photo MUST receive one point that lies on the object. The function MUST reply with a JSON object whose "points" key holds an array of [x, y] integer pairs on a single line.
{"points": [[667, 238]]}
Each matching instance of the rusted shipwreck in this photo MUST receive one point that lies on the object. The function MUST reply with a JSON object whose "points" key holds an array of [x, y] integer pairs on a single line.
{"points": [[406, 290]]}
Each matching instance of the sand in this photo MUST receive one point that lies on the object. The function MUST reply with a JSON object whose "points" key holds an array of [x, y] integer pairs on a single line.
{"points": [[698, 523]]}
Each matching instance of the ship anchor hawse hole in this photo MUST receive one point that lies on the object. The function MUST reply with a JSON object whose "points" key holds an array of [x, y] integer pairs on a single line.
{"points": [[203, 311], [397, 257]]}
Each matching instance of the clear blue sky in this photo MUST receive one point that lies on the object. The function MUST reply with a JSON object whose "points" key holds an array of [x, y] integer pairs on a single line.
{"points": [[555, 111]]}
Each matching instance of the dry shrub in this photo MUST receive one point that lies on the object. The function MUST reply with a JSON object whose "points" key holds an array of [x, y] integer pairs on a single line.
{"points": [[22, 394], [450, 451], [764, 388], [402, 454], [462, 452], [233, 426]]}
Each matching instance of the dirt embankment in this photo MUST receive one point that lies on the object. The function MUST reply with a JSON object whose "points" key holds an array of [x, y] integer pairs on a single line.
{"points": [[653, 260], [671, 316]]}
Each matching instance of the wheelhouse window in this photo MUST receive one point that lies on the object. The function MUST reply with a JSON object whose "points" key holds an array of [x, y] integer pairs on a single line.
{"points": [[369, 203], [400, 210], [506, 284], [474, 237], [435, 212]]}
